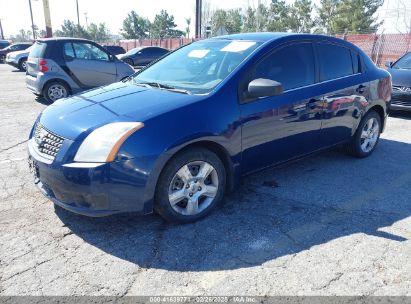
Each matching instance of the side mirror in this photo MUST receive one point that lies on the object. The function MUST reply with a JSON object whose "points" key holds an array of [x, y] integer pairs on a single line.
{"points": [[111, 57], [388, 64], [264, 87]]}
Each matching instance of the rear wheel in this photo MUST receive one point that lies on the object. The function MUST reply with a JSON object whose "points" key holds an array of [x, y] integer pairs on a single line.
{"points": [[23, 64], [190, 186], [367, 135], [55, 90], [129, 61]]}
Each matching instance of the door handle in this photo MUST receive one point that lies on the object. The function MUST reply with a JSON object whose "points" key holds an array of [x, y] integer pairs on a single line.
{"points": [[361, 89]]}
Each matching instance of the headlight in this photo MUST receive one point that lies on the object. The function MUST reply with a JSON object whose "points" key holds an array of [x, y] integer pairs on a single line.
{"points": [[102, 144]]}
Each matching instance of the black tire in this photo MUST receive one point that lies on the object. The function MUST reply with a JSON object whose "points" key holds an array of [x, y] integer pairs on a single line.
{"points": [[22, 64], [49, 85], [129, 61], [162, 203], [354, 147]]}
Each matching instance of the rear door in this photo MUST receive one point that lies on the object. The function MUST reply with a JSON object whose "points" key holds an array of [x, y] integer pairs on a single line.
{"points": [[90, 64], [278, 128], [345, 91]]}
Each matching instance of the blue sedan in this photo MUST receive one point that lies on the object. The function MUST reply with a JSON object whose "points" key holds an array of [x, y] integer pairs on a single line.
{"points": [[180, 133]]}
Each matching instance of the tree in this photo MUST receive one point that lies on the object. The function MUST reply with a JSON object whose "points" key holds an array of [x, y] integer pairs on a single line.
{"points": [[23, 36], [71, 29], [250, 21], [98, 32], [163, 26], [279, 16], [300, 16], [231, 20], [326, 14], [356, 16], [188, 22], [135, 26]]}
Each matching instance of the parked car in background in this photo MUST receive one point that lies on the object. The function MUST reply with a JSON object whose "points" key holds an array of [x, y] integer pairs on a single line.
{"points": [[115, 49], [18, 59], [58, 67], [179, 134], [13, 48], [4, 43], [400, 71], [143, 56]]}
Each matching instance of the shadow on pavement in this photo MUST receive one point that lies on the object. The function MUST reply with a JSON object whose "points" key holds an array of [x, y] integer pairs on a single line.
{"points": [[401, 114], [278, 212]]}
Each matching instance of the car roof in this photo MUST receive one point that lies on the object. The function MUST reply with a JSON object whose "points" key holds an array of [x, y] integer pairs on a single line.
{"points": [[61, 39], [271, 36], [263, 36]]}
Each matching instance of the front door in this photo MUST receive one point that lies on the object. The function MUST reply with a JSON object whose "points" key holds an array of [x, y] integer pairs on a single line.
{"points": [[278, 128], [90, 66]]}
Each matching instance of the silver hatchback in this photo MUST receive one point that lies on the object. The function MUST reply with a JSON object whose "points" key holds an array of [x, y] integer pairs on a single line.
{"points": [[58, 67]]}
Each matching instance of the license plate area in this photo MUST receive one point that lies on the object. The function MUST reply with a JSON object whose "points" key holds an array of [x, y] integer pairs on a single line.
{"points": [[34, 170]]}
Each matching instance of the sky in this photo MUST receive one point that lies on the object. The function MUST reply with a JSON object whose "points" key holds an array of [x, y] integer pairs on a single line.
{"points": [[15, 14]]}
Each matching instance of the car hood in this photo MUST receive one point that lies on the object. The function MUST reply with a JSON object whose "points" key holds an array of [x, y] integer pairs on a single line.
{"points": [[121, 101], [18, 53], [401, 77]]}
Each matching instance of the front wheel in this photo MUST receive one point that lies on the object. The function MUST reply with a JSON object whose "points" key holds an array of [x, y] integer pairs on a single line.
{"points": [[190, 186], [367, 135], [23, 64]]}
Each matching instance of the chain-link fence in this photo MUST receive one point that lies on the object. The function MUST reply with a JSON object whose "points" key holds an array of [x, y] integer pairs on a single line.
{"points": [[379, 47]]}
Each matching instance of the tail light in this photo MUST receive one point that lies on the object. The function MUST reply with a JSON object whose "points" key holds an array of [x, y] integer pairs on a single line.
{"points": [[43, 65]]}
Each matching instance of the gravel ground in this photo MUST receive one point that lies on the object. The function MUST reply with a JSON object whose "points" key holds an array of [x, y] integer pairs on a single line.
{"points": [[326, 225]]}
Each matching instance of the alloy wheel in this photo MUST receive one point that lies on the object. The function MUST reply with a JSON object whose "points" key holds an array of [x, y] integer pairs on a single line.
{"points": [[193, 188], [369, 135], [56, 91]]}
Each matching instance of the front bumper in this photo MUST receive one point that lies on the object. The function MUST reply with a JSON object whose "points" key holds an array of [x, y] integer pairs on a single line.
{"points": [[12, 62], [400, 101], [91, 189]]}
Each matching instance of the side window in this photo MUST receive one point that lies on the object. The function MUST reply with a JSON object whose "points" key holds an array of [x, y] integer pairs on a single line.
{"points": [[356, 62], [68, 50], [292, 66], [88, 51], [335, 61]]}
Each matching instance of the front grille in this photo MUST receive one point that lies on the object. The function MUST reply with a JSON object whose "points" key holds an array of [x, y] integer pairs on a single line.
{"points": [[401, 89], [404, 103], [47, 143]]}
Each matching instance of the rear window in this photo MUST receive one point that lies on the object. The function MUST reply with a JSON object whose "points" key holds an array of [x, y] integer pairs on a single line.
{"points": [[4, 44], [335, 61], [37, 50]]}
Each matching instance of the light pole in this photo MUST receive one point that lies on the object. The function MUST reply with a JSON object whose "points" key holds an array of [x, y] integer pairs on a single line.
{"points": [[1, 31], [199, 5], [32, 22], [78, 15]]}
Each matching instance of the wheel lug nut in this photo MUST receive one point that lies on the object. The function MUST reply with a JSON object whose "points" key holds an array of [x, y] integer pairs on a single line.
{"points": [[190, 194], [187, 186], [199, 188]]}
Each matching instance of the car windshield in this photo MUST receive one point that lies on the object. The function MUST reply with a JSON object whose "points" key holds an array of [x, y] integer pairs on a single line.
{"points": [[133, 51], [404, 62], [198, 67]]}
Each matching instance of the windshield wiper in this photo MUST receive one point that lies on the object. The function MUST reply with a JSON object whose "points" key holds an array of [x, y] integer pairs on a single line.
{"points": [[162, 86]]}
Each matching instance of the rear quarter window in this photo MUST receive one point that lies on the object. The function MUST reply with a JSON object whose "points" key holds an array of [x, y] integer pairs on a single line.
{"points": [[37, 50], [335, 61]]}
